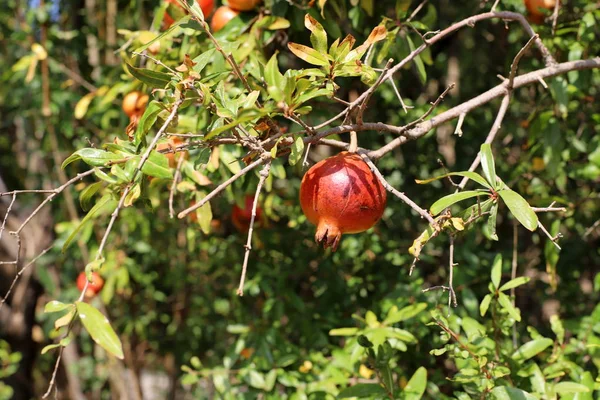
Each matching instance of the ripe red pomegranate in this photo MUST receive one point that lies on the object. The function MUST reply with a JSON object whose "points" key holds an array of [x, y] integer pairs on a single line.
{"points": [[93, 287], [241, 216], [341, 195]]}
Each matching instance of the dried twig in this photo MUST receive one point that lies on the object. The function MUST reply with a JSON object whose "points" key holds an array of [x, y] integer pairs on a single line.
{"points": [[223, 185], [423, 213], [174, 185], [452, 302], [264, 174]]}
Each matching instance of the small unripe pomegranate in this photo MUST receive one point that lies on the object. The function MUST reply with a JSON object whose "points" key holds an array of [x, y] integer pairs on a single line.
{"points": [[243, 5], [134, 103], [221, 17], [341, 195], [94, 286], [241, 216]]}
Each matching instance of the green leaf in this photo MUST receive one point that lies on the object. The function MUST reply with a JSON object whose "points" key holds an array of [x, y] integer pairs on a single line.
{"points": [[387, 378], [65, 319], [491, 222], [157, 165], [104, 204], [343, 332], [56, 306], [87, 194], [318, 37], [485, 304], [487, 164], [148, 119], [273, 76], [395, 315], [63, 343], [415, 388], [297, 150], [513, 283], [588, 381], [308, 54], [450, 199], [505, 302], [474, 176], [557, 328], [362, 390], [519, 207], [570, 387], [497, 271], [531, 349], [92, 156], [99, 329], [509, 393], [151, 78], [418, 62], [204, 214]]}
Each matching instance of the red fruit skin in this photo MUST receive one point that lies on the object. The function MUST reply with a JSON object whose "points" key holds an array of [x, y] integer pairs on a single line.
{"points": [[241, 216], [207, 7], [93, 287], [243, 5], [221, 17], [341, 195]]}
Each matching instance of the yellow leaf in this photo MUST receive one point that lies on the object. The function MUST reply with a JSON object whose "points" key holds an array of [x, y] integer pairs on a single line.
{"points": [[39, 51], [82, 105]]}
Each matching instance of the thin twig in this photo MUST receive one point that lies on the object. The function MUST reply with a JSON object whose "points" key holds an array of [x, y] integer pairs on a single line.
{"points": [[264, 174], [490, 137], [555, 16], [552, 238], [423, 213], [222, 186], [14, 197], [174, 185], [515, 63], [458, 130], [363, 105], [53, 194], [591, 229], [404, 106]]}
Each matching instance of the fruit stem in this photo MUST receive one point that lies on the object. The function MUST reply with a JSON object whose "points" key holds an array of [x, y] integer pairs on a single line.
{"points": [[353, 142]]}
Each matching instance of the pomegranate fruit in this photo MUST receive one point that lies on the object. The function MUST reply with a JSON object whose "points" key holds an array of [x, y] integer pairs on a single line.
{"points": [[94, 286], [241, 216], [222, 16], [536, 9], [134, 103], [341, 195], [243, 5]]}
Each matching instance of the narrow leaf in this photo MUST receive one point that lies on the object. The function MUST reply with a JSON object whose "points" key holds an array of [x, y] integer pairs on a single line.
{"points": [[513, 283], [485, 304], [415, 388], [505, 302], [474, 176], [531, 349], [308, 54], [151, 78], [297, 151], [497, 271], [450, 199], [362, 390], [99, 329], [510, 393], [318, 37], [519, 207], [487, 164]]}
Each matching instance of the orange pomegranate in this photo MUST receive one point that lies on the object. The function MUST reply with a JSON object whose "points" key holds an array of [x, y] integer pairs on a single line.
{"points": [[341, 195], [222, 16], [134, 103], [243, 5], [537, 8], [94, 286], [241, 216]]}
